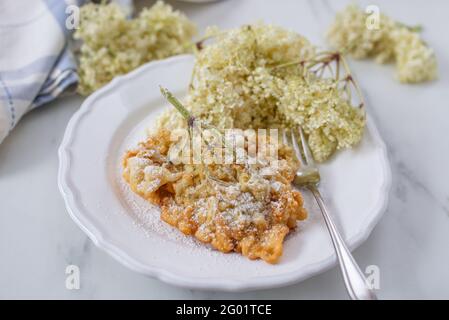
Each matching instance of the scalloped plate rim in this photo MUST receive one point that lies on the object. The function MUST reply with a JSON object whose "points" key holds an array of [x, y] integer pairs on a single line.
{"points": [[222, 284]]}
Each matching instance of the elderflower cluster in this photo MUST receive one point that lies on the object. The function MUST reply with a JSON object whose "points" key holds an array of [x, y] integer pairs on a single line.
{"points": [[390, 42], [230, 77], [323, 112], [415, 61], [237, 82], [350, 34], [114, 45]]}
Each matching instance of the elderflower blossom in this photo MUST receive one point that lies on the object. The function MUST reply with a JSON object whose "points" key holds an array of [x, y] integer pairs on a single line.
{"points": [[415, 61], [390, 42], [230, 75], [114, 45], [323, 112], [235, 85], [350, 34]]}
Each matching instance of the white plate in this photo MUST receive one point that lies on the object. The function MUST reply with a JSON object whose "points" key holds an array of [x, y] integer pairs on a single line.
{"points": [[355, 184]]}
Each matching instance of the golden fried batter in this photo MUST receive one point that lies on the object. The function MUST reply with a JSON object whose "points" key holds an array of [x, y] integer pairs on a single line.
{"points": [[247, 208]]}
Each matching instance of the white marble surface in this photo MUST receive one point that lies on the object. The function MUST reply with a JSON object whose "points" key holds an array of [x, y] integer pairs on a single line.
{"points": [[410, 244]]}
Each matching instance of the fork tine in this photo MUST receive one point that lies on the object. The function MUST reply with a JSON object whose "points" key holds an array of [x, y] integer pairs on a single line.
{"points": [[305, 147], [297, 149], [284, 137]]}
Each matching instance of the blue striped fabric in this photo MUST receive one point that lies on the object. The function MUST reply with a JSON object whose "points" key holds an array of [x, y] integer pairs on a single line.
{"points": [[36, 65]]}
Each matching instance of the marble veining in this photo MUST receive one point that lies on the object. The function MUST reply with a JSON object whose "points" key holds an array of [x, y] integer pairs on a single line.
{"points": [[409, 245]]}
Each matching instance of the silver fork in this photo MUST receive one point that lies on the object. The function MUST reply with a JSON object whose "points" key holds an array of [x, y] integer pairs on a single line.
{"points": [[308, 177]]}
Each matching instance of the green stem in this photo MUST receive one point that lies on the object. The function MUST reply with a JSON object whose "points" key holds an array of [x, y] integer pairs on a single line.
{"points": [[415, 28], [191, 121], [176, 103]]}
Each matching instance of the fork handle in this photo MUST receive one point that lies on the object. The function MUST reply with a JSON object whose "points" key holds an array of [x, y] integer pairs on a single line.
{"points": [[353, 277]]}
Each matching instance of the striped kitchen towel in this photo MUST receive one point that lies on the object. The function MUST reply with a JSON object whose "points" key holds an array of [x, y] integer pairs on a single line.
{"points": [[36, 65]]}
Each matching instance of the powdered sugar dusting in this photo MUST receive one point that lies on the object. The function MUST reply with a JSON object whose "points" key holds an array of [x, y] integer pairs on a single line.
{"points": [[146, 218]]}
